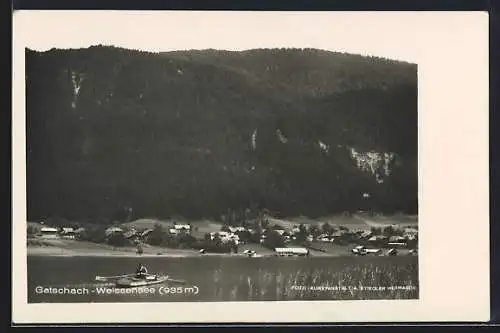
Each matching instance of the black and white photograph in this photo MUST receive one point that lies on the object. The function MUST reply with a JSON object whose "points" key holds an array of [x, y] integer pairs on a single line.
{"points": [[175, 171]]}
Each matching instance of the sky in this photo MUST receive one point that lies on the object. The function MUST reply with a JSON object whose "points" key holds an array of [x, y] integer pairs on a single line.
{"points": [[393, 35]]}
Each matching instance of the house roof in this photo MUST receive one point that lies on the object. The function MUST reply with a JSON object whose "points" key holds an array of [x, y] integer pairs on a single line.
{"points": [[130, 233], [182, 226], [234, 229], [291, 250], [112, 230], [48, 229], [146, 232]]}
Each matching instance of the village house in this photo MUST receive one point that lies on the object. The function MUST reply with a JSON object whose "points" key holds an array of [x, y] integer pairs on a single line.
{"points": [[49, 233], [410, 233], [291, 251], [145, 233], [339, 233], [112, 230], [263, 238], [182, 228], [397, 241], [325, 238], [225, 236], [132, 234], [377, 239], [80, 232], [237, 229], [67, 233], [280, 231], [365, 234]]}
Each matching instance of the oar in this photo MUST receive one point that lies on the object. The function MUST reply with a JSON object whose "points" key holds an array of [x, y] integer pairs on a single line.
{"points": [[172, 280], [176, 281], [105, 278]]}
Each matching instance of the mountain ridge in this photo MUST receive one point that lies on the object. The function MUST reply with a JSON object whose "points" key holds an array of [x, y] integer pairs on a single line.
{"points": [[110, 128]]}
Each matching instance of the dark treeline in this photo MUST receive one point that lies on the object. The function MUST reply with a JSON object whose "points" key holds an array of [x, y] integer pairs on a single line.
{"points": [[113, 133]]}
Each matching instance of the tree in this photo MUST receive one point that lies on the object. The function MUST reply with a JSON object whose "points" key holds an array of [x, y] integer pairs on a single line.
{"points": [[217, 241], [186, 240], [245, 236], [95, 234], [233, 246], [327, 228], [274, 240], [139, 250], [157, 236], [314, 230], [117, 239], [31, 230], [388, 231], [302, 234], [376, 231]]}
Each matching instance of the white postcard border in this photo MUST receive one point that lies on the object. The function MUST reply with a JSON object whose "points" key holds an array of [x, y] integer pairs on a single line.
{"points": [[451, 50]]}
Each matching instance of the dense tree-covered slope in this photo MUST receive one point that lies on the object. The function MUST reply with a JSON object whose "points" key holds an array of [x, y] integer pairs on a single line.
{"points": [[195, 133]]}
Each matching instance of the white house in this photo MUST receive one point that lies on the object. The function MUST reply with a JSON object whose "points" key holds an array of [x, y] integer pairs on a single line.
{"points": [[145, 233], [397, 239], [80, 232], [392, 252], [225, 236], [291, 251], [410, 233], [237, 229], [48, 232], [68, 233], [325, 239], [130, 234], [112, 230], [280, 231], [377, 238], [182, 228], [365, 234]]}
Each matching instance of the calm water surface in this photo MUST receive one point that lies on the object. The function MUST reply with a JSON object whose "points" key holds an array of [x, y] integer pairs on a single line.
{"points": [[227, 279]]}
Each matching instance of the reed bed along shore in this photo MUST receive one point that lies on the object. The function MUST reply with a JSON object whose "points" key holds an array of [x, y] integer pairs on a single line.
{"points": [[360, 281]]}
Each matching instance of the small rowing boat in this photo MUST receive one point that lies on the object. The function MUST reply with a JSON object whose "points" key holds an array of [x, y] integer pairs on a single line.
{"points": [[111, 278], [134, 281]]}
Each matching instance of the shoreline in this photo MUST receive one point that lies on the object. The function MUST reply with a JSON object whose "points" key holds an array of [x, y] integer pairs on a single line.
{"points": [[74, 248], [52, 251]]}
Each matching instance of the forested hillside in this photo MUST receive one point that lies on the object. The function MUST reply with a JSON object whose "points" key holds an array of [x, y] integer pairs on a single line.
{"points": [[194, 133]]}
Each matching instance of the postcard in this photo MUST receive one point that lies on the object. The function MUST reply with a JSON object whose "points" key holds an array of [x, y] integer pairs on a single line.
{"points": [[250, 166]]}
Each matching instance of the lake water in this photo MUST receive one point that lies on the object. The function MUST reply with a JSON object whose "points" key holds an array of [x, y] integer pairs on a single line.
{"points": [[218, 278]]}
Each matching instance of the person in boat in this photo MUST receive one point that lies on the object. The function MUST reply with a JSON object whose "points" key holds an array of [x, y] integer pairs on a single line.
{"points": [[141, 271]]}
